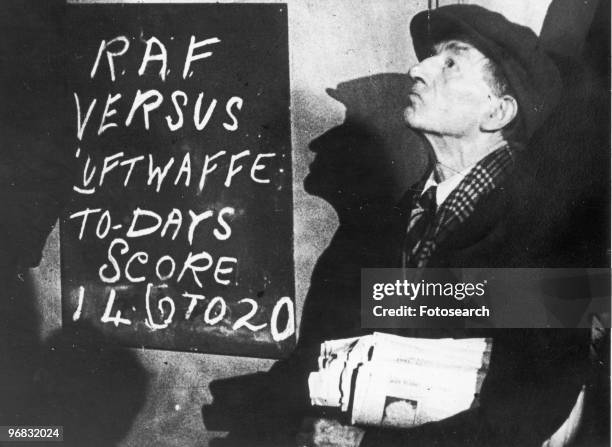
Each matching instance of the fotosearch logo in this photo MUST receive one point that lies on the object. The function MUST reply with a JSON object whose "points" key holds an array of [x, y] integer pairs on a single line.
{"points": [[412, 290]]}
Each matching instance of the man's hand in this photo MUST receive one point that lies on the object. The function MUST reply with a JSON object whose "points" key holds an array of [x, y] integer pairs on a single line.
{"points": [[328, 433]]}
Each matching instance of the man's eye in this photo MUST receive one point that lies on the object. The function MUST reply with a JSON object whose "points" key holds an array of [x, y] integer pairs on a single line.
{"points": [[449, 63]]}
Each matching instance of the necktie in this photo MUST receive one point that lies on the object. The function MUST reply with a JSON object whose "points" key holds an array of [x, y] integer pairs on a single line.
{"points": [[421, 218]]}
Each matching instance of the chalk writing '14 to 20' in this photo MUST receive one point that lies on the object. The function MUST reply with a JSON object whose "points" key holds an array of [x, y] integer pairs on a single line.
{"points": [[215, 312]]}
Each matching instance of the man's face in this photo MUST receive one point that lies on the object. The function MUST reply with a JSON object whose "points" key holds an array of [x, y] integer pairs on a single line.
{"points": [[450, 94]]}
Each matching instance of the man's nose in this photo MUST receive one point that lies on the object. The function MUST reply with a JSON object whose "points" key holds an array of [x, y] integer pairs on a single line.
{"points": [[422, 72]]}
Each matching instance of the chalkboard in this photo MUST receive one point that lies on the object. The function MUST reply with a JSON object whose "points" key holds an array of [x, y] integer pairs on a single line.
{"points": [[179, 233]]}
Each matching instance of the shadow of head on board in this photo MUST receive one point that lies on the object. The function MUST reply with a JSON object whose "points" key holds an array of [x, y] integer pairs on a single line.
{"points": [[366, 163]]}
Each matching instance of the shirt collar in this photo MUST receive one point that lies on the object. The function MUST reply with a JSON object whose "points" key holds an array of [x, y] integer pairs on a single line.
{"points": [[447, 186], [444, 188]]}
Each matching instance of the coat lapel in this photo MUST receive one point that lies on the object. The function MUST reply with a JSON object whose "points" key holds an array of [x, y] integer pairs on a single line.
{"points": [[469, 196]]}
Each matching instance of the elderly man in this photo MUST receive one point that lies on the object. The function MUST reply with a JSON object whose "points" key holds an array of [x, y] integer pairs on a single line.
{"points": [[481, 89]]}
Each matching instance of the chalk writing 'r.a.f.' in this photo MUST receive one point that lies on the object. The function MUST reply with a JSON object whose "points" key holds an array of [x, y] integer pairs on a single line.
{"points": [[155, 52]]}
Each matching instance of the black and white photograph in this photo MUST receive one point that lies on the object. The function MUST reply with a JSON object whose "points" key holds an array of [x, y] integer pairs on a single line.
{"points": [[305, 223]]}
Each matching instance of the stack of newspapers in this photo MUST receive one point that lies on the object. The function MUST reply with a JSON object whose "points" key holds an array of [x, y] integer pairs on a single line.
{"points": [[387, 380]]}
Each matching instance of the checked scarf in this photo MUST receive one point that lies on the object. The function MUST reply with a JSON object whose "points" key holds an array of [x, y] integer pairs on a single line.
{"points": [[485, 176]]}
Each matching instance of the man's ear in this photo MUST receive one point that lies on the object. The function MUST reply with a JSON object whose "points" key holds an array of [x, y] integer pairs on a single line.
{"points": [[501, 113]]}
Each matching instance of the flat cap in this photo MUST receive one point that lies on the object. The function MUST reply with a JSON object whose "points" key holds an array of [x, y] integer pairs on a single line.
{"points": [[533, 76]]}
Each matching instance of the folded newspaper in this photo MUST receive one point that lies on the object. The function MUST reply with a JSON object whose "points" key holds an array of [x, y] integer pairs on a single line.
{"points": [[387, 380]]}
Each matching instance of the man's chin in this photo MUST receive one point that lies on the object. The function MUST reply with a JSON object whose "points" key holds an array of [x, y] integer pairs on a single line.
{"points": [[411, 118]]}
